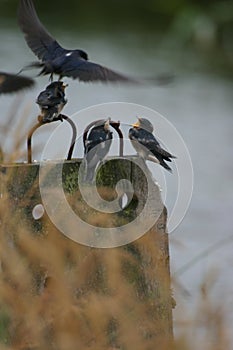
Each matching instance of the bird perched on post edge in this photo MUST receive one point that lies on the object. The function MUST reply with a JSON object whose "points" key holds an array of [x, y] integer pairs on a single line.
{"points": [[12, 82], [97, 147], [54, 58], [146, 144], [51, 101]]}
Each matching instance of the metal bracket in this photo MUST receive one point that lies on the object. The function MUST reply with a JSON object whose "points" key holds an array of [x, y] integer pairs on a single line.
{"points": [[61, 117], [115, 125]]}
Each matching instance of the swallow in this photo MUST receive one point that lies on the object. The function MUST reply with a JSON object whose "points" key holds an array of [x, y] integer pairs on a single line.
{"points": [[51, 101], [96, 147], [146, 145], [12, 82], [54, 59]]}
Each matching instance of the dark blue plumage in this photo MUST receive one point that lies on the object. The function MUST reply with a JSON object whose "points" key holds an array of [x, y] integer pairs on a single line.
{"points": [[146, 144], [12, 82], [54, 58], [97, 147], [51, 101]]}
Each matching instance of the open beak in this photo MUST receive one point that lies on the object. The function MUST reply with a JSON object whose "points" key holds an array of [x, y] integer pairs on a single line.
{"points": [[64, 86], [137, 124]]}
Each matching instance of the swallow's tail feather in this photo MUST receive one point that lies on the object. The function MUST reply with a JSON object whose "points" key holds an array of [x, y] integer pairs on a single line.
{"points": [[165, 154], [164, 164], [46, 68], [31, 66]]}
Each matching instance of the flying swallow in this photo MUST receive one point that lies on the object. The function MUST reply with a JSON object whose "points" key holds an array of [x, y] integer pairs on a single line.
{"points": [[96, 147], [12, 82], [54, 59], [51, 101], [146, 145]]}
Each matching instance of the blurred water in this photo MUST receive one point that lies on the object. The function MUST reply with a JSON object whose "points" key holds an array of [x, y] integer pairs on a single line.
{"points": [[198, 103]]}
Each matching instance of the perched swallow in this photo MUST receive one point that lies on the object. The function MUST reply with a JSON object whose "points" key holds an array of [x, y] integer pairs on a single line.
{"points": [[12, 82], [97, 147], [146, 144], [54, 58], [51, 101]]}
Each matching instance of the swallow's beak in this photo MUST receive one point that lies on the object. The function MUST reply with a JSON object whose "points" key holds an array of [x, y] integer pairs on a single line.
{"points": [[137, 124], [107, 124], [64, 86]]}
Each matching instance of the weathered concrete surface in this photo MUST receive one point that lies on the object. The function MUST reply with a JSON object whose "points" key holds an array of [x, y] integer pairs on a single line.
{"points": [[133, 278]]}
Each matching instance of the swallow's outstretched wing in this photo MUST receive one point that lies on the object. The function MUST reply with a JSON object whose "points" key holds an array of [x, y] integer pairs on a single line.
{"points": [[87, 71], [44, 46], [12, 82], [56, 59]]}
